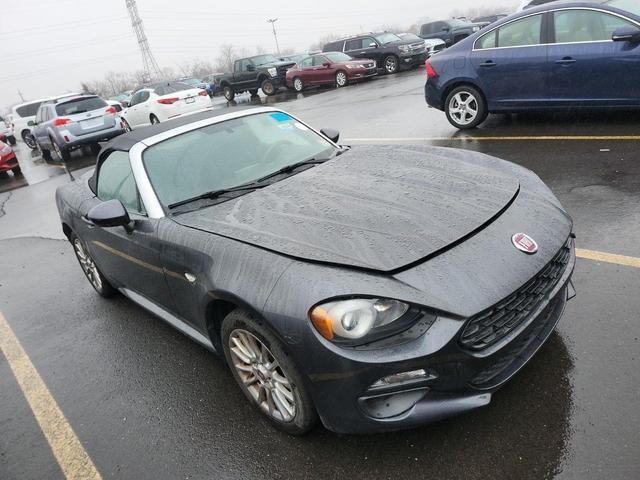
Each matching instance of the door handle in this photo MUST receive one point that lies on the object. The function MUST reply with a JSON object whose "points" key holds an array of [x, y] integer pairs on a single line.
{"points": [[566, 61], [488, 63]]}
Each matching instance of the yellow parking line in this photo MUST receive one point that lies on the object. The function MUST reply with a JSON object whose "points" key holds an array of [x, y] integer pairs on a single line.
{"points": [[503, 138], [72, 458], [608, 257]]}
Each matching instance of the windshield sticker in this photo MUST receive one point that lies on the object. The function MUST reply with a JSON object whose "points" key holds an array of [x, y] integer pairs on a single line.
{"points": [[280, 117], [302, 127]]}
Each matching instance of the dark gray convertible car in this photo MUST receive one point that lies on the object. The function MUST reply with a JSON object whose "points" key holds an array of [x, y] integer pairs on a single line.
{"points": [[372, 287]]}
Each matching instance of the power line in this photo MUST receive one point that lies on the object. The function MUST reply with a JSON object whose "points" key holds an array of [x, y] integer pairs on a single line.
{"points": [[60, 26], [149, 64]]}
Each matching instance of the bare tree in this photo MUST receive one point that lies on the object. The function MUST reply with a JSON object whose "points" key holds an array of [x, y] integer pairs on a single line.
{"points": [[482, 11], [314, 47]]}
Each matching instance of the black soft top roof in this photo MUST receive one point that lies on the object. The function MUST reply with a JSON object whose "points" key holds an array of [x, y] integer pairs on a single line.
{"points": [[127, 140]]}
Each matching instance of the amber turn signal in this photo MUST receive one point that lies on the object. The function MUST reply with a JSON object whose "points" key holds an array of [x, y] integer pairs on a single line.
{"points": [[321, 320]]}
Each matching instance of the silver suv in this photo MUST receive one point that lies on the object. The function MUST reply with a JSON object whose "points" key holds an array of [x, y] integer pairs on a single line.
{"points": [[68, 123]]}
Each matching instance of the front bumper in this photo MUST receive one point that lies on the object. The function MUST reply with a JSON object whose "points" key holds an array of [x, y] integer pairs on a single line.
{"points": [[457, 380], [361, 73], [413, 59]]}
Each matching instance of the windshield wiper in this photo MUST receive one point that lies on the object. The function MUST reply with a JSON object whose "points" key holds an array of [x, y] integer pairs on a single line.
{"points": [[212, 195], [295, 166]]}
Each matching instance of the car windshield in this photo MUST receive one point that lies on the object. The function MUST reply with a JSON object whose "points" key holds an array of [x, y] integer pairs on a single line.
{"points": [[230, 153], [171, 87], [384, 38], [338, 57], [632, 6], [191, 81], [80, 105], [263, 59], [411, 36]]}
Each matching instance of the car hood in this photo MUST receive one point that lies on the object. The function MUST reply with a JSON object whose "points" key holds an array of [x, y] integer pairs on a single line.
{"points": [[374, 207], [277, 64]]}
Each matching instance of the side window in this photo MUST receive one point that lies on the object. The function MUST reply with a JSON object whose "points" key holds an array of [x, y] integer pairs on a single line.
{"points": [[488, 41], [144, 96], [319, 60], [237, 66], [307, 62], [39, 115], [573, 26], [355, 44], [115, 180], [134, 99], [368, 42], [526, 31], [244, 64], [439, 27]]}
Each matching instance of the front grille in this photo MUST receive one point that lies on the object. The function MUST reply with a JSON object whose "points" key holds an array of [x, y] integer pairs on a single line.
{"points": [[492, 325], [368, 65]]}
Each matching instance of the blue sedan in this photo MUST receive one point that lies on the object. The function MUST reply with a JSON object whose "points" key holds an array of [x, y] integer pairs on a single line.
{"points": [[563, 55]]}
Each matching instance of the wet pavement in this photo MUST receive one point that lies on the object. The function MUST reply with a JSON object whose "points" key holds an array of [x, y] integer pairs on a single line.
{"points": [[147, 402]]}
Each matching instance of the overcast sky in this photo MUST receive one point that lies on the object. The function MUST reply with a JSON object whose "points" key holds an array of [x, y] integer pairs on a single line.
{"points": [[50, 46]]}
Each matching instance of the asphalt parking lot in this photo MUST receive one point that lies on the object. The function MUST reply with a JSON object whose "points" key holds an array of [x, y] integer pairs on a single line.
{"points": [[146, 402]]}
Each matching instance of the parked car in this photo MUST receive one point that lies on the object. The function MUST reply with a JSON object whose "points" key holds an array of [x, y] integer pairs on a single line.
{"points": [[197, 83], [68, 123], [588, 58], [489, 19], [8, 160], [162, 101], [451, 31], [213, 80], [6, 132], [390, 52], [372, 287], [331, 68], [263, 72], [431, 45], [117, 105], [123, 98]]}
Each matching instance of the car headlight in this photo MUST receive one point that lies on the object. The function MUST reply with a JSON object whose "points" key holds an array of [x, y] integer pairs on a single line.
{"points": [[6, 150], [476, 29], [272, 71], [404, 48], [358, 321], [353, 66]]}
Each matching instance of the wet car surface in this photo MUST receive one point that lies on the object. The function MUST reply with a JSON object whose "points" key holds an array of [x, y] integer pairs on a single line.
{"points": [[147, 402]]}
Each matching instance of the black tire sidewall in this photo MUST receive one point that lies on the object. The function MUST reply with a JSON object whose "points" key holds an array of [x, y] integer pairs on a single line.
{"points": [[228, 93], [482, 107], [273, 87], [306, 416]]}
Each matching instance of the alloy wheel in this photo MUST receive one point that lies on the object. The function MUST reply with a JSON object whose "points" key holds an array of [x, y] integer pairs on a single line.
{"points": [[297, 84], [341, 79], [88, 265], [56, 149], [29, 141], [463, 108], [262, 376], [391, 64]]}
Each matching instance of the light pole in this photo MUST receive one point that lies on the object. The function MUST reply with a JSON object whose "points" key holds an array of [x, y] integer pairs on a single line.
{"points": [[273, 21]]}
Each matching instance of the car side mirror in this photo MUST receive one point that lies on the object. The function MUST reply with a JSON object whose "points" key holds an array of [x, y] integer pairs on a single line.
{"points": [[326, 64], [373, 45], [626, 34], [331, 134], [109, 214], [251, 68], [31, 123]]}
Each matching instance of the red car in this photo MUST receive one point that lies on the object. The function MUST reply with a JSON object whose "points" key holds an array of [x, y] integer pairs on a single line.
{"points": [[8, 160], [329, 68]]}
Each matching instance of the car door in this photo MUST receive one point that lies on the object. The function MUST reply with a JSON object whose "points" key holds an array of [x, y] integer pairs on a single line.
{"points": [[354, 48], [323, 73], [127, 256], [307, 72], [511, 64], [587, 68], [38, 130], [144, 108], [131, 115], [246, 76]]}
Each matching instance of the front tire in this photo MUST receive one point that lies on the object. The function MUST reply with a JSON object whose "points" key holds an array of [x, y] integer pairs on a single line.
{"points": [[341, 79], [127, 127], [90, 269], [12, 140], [229, 93], [62, 153], [28, 140], [268, 88], [46, 154], [266, 374], [465, 107], [391, 64], [153, 119]]}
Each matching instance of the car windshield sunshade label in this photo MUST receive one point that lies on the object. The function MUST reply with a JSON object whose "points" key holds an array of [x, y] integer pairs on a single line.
{"points": [[281, 117]]}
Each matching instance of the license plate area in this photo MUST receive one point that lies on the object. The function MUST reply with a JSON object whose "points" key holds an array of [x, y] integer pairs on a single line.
{"points": [[190, 100], [91, 123]]}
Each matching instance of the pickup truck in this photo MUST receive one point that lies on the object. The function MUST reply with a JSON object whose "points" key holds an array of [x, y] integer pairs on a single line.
{"points": [[451, 31], [250, 74]]}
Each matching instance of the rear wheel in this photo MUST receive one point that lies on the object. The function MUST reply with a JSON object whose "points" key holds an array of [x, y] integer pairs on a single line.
{"points": [[298, 86], [95, 148], [266, 374], [228, 92], [17, 171], [28, 139], [11, 139], [90, 269], [46, 154], [127, 127], [153, 119], [390, 64], [465, 107], [268, 88], [62, 153], [341, 79]]}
